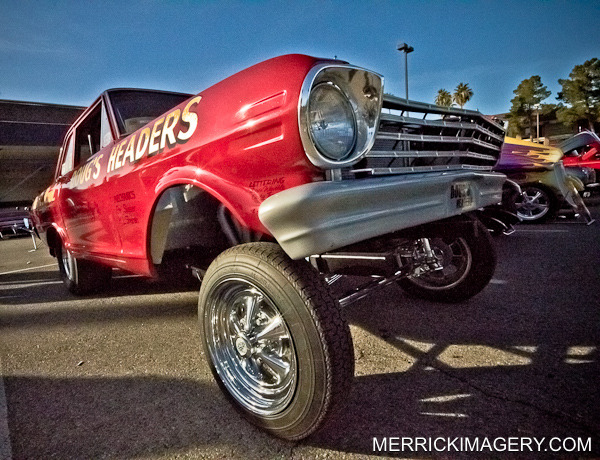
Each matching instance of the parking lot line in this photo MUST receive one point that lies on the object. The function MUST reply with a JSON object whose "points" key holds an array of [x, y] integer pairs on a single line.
{"points": [[5, 447], [541, 230], [27, 269], [13, 285]]}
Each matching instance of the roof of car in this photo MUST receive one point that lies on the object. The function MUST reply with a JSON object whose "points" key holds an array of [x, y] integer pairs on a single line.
{"points": [[579, 140], [110, 90]]}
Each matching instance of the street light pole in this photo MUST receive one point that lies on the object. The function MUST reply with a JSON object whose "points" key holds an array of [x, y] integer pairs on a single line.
{"points": [[406, 49], [537, 108]]}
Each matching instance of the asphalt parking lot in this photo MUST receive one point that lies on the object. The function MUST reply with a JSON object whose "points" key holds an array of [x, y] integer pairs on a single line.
{"points": [[122, 375]]}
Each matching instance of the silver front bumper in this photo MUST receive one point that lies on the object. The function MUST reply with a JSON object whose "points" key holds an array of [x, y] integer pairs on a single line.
{"points": [[322, 216]]}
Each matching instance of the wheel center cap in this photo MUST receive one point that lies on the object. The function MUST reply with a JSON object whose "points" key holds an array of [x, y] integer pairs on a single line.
{"points": [[243, 347]]}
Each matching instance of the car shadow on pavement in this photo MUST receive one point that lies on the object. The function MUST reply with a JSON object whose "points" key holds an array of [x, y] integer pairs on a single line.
{"points": [[45, 286], [503, 364], [124, 417], [469, 371], [130, 417], [520, 359], [48, 303]]}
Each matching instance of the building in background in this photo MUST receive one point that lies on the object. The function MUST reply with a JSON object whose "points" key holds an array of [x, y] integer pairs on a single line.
{"points": [[552, 131], [30, 137]]}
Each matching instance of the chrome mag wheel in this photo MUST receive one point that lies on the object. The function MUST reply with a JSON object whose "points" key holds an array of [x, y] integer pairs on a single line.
{"points": [[251, 346], [68, 263], [533, 204], [455, 259], [276, 340], [81, 276], [467, 258]]}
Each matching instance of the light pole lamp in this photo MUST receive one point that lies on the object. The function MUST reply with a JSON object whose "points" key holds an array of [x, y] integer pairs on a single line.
{"points": [[406, 49]]}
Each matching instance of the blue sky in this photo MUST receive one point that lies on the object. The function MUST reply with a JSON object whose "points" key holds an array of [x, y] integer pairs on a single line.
{"points": [[68, 52]]}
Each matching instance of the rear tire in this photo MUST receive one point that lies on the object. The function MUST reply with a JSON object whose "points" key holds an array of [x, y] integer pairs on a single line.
{"points": [[277, 341], [468, 262], [81, 276]]}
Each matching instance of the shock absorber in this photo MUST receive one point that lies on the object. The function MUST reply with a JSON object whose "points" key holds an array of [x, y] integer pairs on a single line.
{"points": [[425, 258]]}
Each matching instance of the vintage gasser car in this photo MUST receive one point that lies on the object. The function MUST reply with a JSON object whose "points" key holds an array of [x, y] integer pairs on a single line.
{"points": [[545, 182], [270, 186]]}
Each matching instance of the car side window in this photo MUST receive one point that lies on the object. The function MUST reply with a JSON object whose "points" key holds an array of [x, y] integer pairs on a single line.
{"points": [[87, 138], [106, 136], [67, 164]]}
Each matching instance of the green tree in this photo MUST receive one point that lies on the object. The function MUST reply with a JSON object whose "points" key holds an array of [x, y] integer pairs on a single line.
{"points": [[527, 101], [462, 94], [515, 126], [581, 91], [443, 98]]}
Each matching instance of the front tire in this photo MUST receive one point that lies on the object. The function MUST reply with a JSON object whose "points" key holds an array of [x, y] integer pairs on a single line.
{"points": [[468, 263], [81, 276], [277, 342]]}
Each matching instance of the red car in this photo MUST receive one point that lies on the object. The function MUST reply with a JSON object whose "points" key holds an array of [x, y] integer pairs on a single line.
{"points": [[271, 185], [583, 149]]}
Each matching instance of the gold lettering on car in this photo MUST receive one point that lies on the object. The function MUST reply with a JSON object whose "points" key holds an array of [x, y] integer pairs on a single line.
{"points": [[129, 151], [120, 153], [112, 159], [176, 127], [190, 118], [156, 129], [97, 166], [167, 132], [85, 173], [142, 143], [49, 195]]}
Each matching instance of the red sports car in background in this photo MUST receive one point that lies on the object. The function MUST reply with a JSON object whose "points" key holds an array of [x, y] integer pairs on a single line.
{"points": [[583, 149]]}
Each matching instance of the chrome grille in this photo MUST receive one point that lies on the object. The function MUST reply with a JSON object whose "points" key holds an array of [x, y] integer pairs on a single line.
{"points": [[416, 137]]}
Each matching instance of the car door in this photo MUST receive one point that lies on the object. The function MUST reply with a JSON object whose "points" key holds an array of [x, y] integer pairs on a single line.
{"points": [[85, 192], [133, 172]]}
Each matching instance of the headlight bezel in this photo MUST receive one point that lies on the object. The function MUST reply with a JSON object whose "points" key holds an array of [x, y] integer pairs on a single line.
{"points": [[363, 89]]}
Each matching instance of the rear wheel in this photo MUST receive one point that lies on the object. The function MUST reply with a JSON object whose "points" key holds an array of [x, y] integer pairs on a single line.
{"points": [[277, 341], [467, 264], [81, 276]]}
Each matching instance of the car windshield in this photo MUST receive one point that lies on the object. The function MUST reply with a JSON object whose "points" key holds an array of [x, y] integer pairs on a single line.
{"points": [[136, 108]]}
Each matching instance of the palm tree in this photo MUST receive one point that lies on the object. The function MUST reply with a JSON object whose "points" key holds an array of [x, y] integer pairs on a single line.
{"points": [[443, 98], [462, 94]]}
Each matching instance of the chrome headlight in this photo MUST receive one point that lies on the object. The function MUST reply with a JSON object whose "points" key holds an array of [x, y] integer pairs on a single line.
{"points": [[331, 121], [338, 114]]}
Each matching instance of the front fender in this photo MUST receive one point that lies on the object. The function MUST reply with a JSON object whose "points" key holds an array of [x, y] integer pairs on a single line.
{"points": [[230, 195]]}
